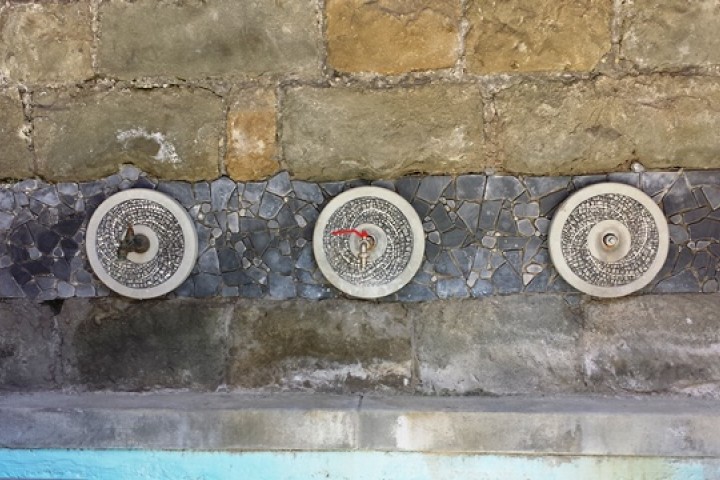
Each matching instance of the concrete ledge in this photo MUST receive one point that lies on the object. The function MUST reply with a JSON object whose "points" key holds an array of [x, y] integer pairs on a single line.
{"points": [[608, 426]]}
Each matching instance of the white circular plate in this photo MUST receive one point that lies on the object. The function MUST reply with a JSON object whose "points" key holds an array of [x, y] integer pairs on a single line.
{"points": [[384, 215], [609, 240], [169, 229]]}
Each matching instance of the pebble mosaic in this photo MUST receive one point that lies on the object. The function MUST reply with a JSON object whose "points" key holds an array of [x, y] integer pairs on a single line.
{"points": [[485, 235]]}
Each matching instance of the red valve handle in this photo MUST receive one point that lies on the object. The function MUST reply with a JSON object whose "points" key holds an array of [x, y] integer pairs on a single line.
{"points": [[351, 231]]}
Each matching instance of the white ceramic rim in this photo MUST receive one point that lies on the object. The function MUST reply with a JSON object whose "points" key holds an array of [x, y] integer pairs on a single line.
{"points": [[189, 236], [416, 257], [564, 211]]}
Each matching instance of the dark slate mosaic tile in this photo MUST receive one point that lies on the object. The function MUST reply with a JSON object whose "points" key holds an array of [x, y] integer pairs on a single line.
{"points": [[485, 235]]}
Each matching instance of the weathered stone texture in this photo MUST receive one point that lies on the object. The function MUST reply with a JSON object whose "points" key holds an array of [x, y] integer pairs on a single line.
{"points": [[500, 345], [46, 42], [342, 133], [604, 125], [172, 133], [551, 35], [15, 157], [340, 346], [251, 130], [195, 39], [661, 343], [29, 346], [671, 34], [392, 36], [118, 344]]}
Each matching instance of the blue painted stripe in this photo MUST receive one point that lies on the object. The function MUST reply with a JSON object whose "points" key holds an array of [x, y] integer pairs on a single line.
{"points": [[161, 465]]}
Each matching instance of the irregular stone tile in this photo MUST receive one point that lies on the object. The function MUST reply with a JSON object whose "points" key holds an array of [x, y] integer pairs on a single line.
{"points": [[84, 135], [220, 192], [654, 343], [653, 183], [206, 285], [270, 206], [46, 42], [540, 186], [392, 36], [431, 187], [683, 282], [470, 187], [708, 229], [251, 129], [470, 214], [451, 288], [308, 191], [712, 194], [280, 184], [627, 178], [670, 34], [338, 346], [602, 125], [227, 38], [471, 347], [382, 133], [517, 36], [503, 188], [415, 293], [180, 191]]}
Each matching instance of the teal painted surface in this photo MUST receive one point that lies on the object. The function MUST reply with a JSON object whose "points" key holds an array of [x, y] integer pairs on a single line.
{"points": [[161, 465]]}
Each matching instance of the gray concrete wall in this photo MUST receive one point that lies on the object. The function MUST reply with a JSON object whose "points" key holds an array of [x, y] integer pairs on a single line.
{"points": [[520, 344]]}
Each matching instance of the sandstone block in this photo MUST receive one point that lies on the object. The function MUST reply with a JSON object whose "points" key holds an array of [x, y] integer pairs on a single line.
{"points": [[29, 346], [120, 345], [604, 125], [499, 345], [670, 34], [392, 36], [655, 343], [170, 133], [518, 36], [342, 133], [46, 42], [15, 157], [333, 346], [195, 39], [251, 130]]}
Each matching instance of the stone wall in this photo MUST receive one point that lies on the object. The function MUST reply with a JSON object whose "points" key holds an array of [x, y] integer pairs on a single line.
{"points": [[342, 89], [484, 115]]}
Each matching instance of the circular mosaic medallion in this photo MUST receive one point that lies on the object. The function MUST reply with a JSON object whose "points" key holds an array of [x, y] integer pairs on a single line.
{"points": [[609, 240], [369, 242], [141, 243]]}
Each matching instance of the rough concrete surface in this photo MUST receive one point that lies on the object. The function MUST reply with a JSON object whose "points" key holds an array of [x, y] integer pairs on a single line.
{"points": [[251, 129], [16, 160], [654, 344], [550, 35], [123, 345], [331, 346], [519, 344], [46, 42], [196, 39], [29, 346], [85, 134], [670, 34], [553, 425], [392, 36], [499, 345], [331, 134], [605, 124]]}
